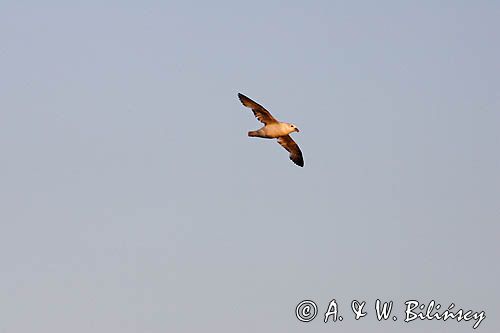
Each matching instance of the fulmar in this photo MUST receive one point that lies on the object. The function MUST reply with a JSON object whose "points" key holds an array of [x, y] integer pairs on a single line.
{"points": [[274, 129]]}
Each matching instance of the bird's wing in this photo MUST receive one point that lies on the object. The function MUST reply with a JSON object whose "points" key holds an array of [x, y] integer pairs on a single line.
{"points": [[293, 148], [260, 113]]}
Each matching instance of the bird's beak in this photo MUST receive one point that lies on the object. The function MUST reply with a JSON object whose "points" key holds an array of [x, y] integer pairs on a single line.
{"points": [[296, 129]]}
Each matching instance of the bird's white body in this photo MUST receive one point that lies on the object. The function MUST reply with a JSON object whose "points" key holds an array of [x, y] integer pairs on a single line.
{"points": [[274, 130]]}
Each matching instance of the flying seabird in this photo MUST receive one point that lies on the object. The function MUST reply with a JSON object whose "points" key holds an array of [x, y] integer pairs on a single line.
{"points": [[274, 129]]}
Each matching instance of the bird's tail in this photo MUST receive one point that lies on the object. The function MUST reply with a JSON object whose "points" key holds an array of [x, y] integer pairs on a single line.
{"points": [[252, 133]]}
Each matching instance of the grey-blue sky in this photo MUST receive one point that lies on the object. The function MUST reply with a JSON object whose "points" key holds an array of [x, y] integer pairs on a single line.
{"points": [[132, 199]]}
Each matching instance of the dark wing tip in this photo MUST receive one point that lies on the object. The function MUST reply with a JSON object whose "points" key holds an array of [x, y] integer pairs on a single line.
{"points": [[245, 100], [248, 102], [298, 160], [242, 97]]}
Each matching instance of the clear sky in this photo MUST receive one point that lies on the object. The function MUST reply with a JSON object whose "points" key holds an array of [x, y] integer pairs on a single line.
{"points": [[132, 199]]}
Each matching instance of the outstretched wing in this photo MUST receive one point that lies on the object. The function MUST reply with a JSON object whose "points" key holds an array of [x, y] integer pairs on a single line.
{"points": [[260, 113], [293, 148]]}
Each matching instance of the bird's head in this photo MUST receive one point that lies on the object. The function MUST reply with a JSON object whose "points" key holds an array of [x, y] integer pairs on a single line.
{"points": [[293, 128]]}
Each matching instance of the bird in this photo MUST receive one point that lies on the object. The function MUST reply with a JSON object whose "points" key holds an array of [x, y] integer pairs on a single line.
{"points": [[274, 129]]}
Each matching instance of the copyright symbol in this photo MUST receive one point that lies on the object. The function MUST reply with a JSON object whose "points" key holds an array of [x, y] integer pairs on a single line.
{"points": [[306, 311]]}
